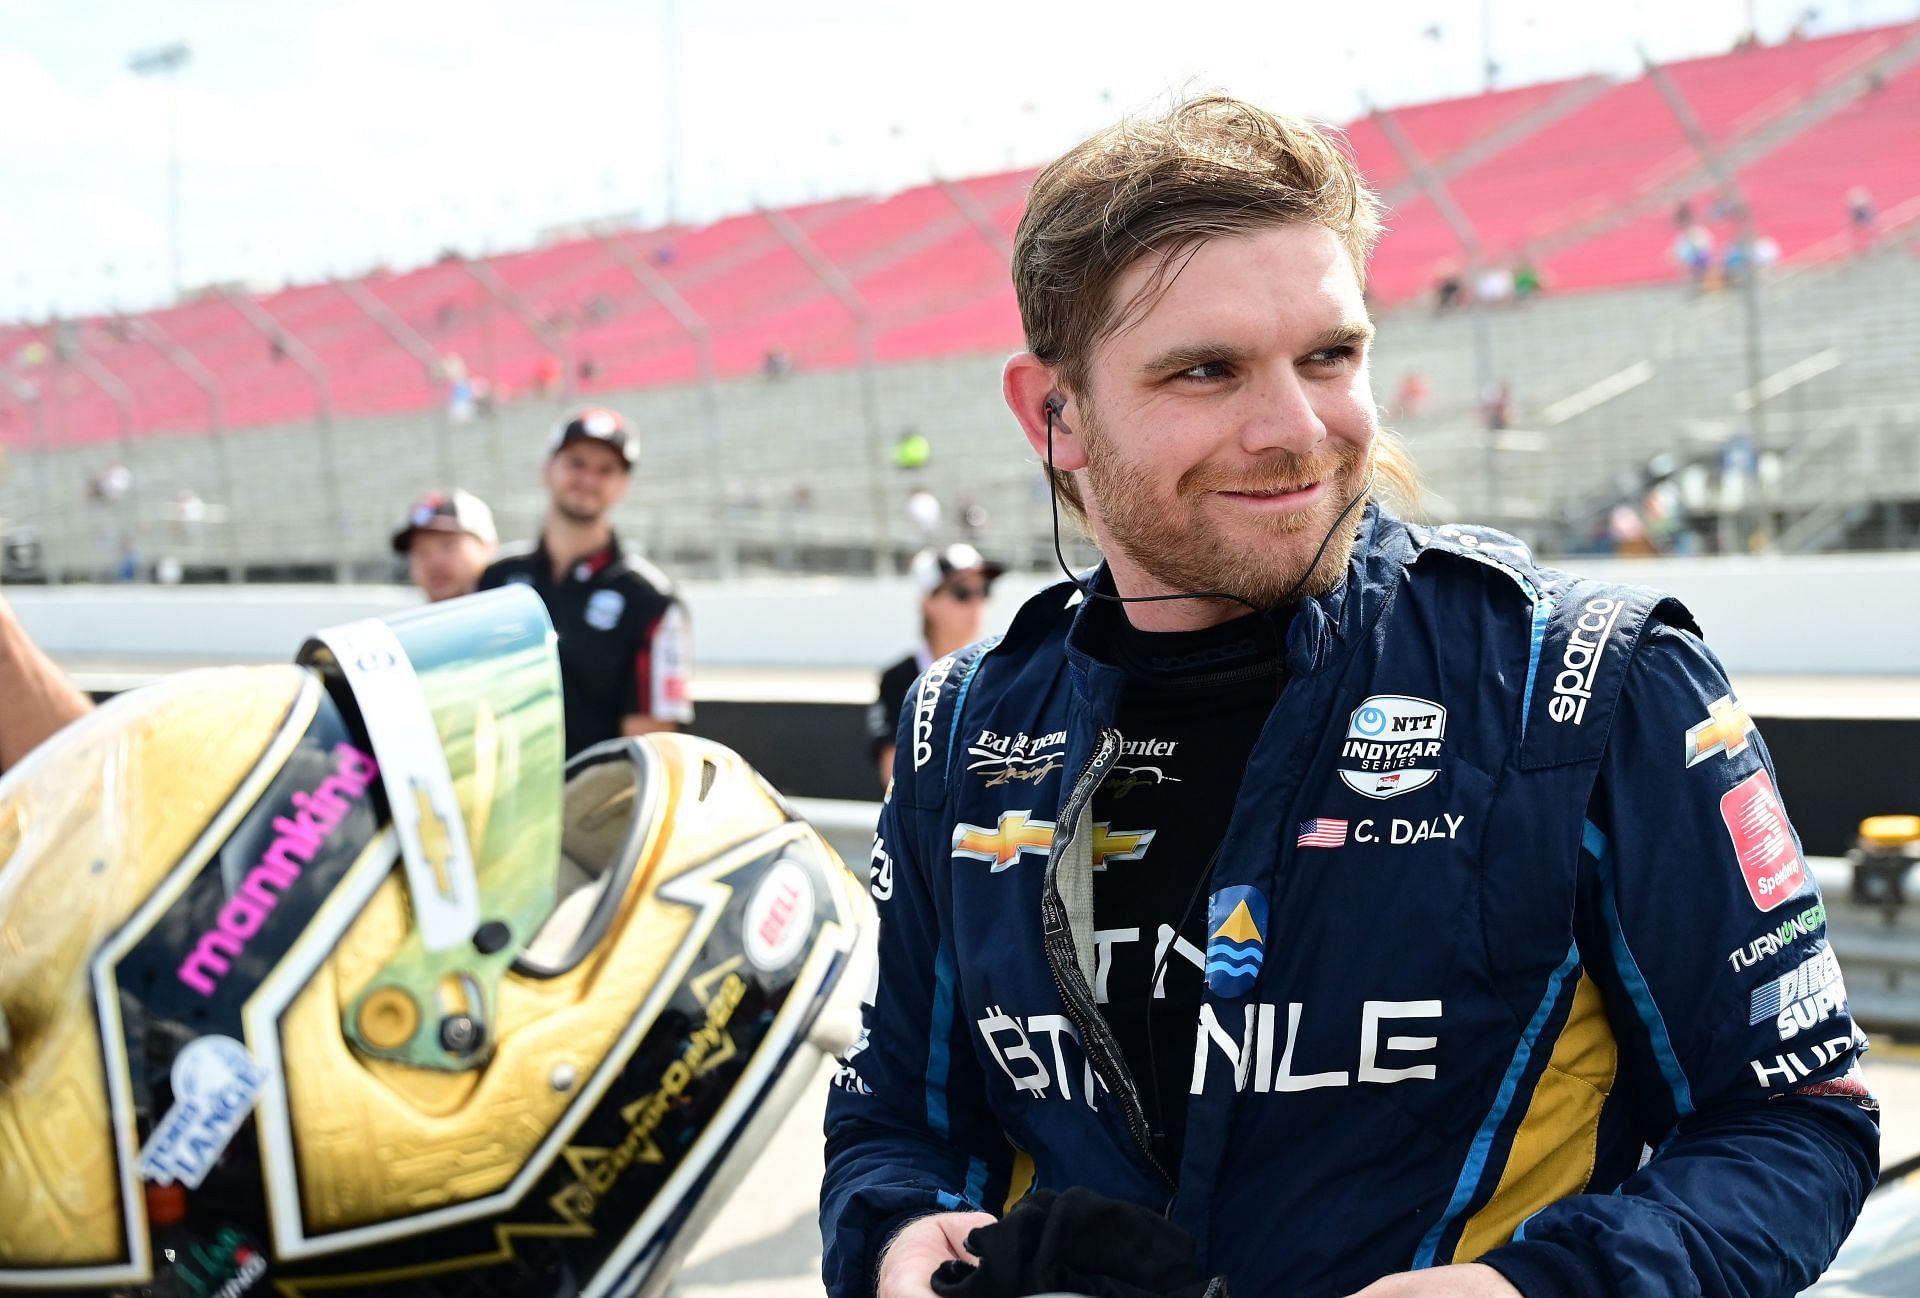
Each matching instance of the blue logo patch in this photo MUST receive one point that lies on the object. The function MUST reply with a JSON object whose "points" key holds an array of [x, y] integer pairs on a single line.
{"points": [[1236, 939]]}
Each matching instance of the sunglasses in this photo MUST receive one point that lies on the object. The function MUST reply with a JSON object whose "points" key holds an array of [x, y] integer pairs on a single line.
{"points": [[965, 592]]}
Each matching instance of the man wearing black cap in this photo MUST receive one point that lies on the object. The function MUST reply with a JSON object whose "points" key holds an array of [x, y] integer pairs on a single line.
{"points": [[625, 645], [952, 584], [449, 540]]}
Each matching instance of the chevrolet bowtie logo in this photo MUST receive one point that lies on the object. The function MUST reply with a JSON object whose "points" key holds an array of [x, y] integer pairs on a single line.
{"points": [[1016, 834], [1724, 731], [433, 839]]}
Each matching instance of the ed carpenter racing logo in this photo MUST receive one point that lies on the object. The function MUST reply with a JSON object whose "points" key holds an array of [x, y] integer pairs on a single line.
{"points": [[1580, 660]]}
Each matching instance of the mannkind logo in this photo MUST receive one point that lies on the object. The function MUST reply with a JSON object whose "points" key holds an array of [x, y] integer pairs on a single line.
{"points": [[316, 815]]}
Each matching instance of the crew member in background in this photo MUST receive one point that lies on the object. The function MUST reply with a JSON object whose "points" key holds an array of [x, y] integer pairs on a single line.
{"points": [[953, 585], [626, 649], [35, 699], [449, 540]]}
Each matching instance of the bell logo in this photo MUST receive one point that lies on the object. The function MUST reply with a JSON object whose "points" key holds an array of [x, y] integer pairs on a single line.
{"points": [[779, 916], [1724, 731]]}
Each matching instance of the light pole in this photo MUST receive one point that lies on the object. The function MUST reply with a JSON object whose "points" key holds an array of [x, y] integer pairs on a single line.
{"points": [[166, 61]]}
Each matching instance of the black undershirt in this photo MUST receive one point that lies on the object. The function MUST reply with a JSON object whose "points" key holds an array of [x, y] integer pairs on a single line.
{"points": [[1192, 707]]}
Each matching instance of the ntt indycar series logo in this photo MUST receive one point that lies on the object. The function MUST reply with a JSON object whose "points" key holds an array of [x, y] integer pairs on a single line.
{"points": [[1392, 745], [1580, 660]]}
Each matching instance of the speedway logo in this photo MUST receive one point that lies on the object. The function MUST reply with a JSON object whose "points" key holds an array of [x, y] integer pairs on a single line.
{"points": [[1763, 841], [1392, 745], [1580, 660], [1024, 758], [1802, 998]]}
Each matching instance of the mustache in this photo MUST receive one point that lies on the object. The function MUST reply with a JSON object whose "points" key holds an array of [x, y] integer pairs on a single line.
{"points": [[1279, 471]]}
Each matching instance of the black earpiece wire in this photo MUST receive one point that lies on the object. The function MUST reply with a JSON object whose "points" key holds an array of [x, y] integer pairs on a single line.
{"points": [[1054, 410]]}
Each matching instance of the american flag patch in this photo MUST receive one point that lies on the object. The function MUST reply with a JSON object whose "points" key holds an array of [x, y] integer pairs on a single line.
{"points": [[1322, 831]]}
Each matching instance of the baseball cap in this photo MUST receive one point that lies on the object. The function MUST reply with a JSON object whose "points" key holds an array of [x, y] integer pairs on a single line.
{"points": [[450, 511], [597, 424], [932, 569]]}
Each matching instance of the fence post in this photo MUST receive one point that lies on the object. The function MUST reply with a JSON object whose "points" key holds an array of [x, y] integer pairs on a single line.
{"points": [[835, 281], [74, 353], [696, 328], [301, 355], [201, 377], [556, 342], [1473, 254], [422, 351]]}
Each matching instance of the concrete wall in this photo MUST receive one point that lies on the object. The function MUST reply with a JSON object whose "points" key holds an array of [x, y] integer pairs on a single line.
{"points": [[1791, 615]]}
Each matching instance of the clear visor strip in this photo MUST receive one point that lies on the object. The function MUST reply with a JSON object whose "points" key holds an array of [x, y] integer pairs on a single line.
{"points": [[441, 880]]}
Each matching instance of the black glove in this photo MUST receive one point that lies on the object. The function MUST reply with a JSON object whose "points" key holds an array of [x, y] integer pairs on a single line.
{"points": [[1078, 1242]]}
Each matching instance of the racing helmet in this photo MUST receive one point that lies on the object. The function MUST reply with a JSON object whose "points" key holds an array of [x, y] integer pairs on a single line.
{"points": [[330, 978]]}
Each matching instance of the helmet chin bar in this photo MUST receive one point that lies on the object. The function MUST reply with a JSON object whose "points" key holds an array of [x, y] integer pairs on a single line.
{"points": [[463, 745]]}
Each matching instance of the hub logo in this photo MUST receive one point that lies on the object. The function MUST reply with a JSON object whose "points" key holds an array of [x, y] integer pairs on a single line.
{"points": [[1236, 939], [1392, 745]]}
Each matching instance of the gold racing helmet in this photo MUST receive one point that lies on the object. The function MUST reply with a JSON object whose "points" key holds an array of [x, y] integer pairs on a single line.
{"points": [[337, 978]]}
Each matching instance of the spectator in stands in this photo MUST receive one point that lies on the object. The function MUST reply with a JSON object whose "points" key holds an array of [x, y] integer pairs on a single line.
{"points": [[1693, 253], [912, 451], [1410, 400], [546, 374], [953, 585], [1860, 215], [449, 540], [1446, 287], [35, 698], [923, 513], [1494, 286], [1495, 405], [626, 650], [776, 364], [1526, 279]]}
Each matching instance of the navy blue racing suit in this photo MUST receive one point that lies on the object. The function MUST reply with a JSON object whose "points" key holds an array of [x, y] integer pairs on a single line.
{"points": [[1511, 956]]}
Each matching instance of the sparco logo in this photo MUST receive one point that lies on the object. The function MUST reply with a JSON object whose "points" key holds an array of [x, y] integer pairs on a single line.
{"points": [[923, 707], [1581, 659]]}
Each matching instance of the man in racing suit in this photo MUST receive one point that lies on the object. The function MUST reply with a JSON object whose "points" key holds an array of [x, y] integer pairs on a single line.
{"points": [[1399, 916]]}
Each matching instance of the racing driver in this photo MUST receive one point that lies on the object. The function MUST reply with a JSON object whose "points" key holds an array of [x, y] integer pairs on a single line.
{"points": [[1401, 917]]}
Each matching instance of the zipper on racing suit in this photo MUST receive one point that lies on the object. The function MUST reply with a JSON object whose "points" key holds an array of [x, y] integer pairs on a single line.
{"points": [[1103, 1050]]}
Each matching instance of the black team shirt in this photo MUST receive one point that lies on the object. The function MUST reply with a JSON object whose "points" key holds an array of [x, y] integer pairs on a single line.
{"points": [[1191, 709], [625, 646]]}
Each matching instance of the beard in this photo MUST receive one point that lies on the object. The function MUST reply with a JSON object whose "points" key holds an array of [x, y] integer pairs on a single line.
{"points": [[1264, 558], [577, 513]]}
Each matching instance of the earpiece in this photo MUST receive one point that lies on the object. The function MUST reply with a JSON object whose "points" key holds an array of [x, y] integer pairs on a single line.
{"points": [[1056, 404]]}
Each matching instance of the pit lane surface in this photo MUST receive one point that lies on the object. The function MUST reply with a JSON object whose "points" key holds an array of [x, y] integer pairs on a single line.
{"points": [[766, 1242]]}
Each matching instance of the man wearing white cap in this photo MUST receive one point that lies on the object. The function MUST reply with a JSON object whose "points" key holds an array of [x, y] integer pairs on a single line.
{"points": [[449, 539], [953, 584]]}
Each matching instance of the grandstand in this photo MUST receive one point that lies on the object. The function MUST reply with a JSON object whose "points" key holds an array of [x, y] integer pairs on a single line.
{"points": [[775, 355]]}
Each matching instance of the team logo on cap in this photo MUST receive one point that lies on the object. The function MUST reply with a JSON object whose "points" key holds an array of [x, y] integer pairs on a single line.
{"points": [[1236, 939]]}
